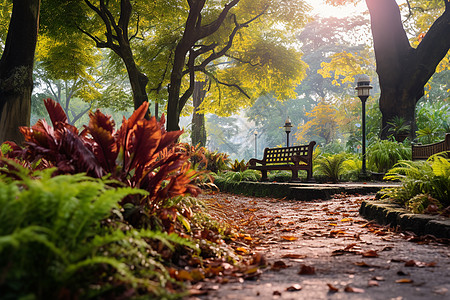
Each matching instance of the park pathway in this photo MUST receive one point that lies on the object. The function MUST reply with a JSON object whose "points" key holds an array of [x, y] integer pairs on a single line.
{"points": [[325, 250]]}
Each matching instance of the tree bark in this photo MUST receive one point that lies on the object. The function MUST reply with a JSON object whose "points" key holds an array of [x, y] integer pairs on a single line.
{"points": [[16, 69], [198, 135], [402, 70]]}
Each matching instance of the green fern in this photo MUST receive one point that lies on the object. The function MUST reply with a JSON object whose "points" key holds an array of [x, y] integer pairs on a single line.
{"points": [[52, 241], [431, 177], [384, 154], [331, 166]]}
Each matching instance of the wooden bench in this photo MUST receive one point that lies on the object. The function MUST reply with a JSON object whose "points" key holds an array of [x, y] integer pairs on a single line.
{"points": [[293, 158], [425, 151]]}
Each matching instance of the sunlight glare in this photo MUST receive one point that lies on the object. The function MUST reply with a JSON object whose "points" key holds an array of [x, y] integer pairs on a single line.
{"points": [[320, 9]]}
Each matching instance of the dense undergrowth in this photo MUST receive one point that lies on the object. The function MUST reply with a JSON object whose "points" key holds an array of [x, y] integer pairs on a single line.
{"points": [[425, 185], [103, 213]]}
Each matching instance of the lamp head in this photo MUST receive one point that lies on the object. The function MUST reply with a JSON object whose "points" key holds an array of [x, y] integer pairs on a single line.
{"points": [[287, 125], [363, 86]]}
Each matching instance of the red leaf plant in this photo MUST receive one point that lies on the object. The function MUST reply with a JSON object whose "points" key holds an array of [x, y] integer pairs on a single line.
{"points": [[140, 154]]}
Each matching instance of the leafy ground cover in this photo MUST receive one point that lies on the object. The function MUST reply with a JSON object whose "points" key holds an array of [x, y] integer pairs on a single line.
{"points": [[425, 185], [323, 250], [105, 213]]}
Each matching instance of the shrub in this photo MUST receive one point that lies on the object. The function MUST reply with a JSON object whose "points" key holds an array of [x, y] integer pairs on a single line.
{"points": [[239, 166], [281, 175], [384, 154], [331, 166], [217, 162], [236, 177], [140, 154], [431, 177], [55, 240]]}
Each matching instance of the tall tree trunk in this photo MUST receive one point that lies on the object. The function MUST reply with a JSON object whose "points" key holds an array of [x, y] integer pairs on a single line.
{"points": [[194, 31], [118, 40], [138, 80], [402, 70], [198, 135], [16, 69], [173, 117]]}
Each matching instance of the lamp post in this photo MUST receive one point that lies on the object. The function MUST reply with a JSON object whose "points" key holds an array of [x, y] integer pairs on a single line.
{"points": [[287, 127], [256, 143], [363, 88]]}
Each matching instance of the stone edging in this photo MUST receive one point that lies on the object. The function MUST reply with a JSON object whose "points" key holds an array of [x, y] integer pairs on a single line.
{"points": [[386, 213]]}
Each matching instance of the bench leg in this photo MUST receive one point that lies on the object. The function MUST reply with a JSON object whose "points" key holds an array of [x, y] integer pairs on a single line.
{"points": [[309, 177], [295, 176], [263, 175]]}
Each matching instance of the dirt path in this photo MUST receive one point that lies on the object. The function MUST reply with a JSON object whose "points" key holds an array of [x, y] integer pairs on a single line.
{"points": [[324, 250]]}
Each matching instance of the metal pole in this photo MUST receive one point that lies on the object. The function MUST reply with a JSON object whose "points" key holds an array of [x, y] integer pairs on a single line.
{"points": [[287, 139], [363, 100], [256, 145]]}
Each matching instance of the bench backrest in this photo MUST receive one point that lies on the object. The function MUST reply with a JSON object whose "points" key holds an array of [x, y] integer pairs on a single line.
{"points": [[425, 151], [285, 154]]}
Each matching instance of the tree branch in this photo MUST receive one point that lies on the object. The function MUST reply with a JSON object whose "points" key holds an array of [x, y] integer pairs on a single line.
{"points": [[212, 27], [243, 61], [227, 84]]}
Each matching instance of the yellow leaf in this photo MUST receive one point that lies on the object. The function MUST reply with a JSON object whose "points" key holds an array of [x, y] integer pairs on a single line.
{"points": [[289, 237]]}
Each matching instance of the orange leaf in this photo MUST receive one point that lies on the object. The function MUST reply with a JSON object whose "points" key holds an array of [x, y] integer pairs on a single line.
{"points": [[405, 280], [362, 264], [332, 288], [184, 275], [347, 220], [370, 253], [289, 237], [243, 250]]}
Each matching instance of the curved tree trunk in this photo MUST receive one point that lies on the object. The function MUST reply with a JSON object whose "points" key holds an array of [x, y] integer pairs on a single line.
{"points": [[402, 70], [16, 69], [198, 135], [118, 40]]}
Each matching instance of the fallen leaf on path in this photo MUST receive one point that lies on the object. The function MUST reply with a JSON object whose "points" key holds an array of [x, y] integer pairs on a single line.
{"points": [[373, 283], [350, 246], [378, 278], [370, 253], [349, 289], [294, 288], [289, 237], [276, 293], [347, 220], [184, 275], [278, 265], [307, 270], [242, 250], [362, 264], [404, 280], [332, 288], [293, 256], [420, 264]]}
